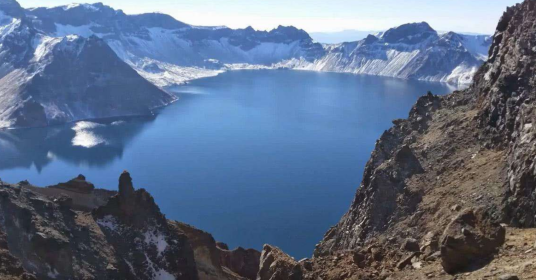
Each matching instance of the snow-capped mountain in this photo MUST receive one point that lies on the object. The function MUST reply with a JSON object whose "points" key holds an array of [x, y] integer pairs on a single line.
{"points": [[46, 80], [168, 52], [410, 51], [84, 61]]}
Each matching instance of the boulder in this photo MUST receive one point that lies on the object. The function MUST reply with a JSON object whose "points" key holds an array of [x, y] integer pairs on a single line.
{"points": [[429, 244], [410, 245], [469, 240]]}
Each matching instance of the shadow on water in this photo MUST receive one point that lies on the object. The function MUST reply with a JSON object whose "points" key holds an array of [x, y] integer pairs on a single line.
{"points": [[92, 143]]}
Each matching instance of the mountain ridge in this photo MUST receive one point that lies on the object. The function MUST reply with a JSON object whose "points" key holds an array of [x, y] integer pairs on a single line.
{"points": [[199, 47]]}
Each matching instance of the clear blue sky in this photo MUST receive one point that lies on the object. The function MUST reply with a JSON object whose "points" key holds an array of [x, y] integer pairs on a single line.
{"points": [[319, 15]]}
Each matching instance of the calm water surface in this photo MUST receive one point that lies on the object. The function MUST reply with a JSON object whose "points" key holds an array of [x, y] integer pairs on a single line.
{"points": [[253, 157]]}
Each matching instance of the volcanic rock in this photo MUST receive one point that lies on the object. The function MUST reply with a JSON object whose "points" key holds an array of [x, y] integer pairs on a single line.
{"points": [[469, 240]]}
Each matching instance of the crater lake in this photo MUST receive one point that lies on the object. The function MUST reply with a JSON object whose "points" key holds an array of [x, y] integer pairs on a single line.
{"points": [[253, 157]]}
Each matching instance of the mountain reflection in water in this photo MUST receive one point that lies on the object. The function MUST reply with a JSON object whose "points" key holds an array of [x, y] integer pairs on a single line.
{"points": [[88, 143]]}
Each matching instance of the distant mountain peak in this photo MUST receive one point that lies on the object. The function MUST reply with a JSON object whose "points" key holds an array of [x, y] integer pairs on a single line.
{"points": [[11, 8], [292, 32], [410, 33]]}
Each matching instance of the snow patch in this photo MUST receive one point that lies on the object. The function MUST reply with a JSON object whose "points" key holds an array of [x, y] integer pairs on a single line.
{"points": [[108, 222], [158, 240], [163, 275], [44, 46], [82, 30], [76, 5], [53, 274], [159, 274], [8, 25]]}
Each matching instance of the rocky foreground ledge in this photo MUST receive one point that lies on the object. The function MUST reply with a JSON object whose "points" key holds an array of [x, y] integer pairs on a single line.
{"points": [[74, 231]]}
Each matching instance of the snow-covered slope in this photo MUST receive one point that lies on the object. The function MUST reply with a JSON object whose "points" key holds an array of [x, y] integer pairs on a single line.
{"points": [[410, 51], [46, 80], [168, 52]]}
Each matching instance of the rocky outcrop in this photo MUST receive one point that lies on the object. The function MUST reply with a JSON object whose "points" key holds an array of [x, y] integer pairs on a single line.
{"points": [[53, 241], [276, 265], [470, 240], [133, 223], [244, 262], [50, 240], [383, 197], [215, 261], [78, 184], [77, 194], [75, 231], [506, 87]]}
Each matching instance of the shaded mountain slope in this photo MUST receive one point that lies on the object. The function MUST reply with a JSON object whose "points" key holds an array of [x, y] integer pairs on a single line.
{"points": [[46, 80]]}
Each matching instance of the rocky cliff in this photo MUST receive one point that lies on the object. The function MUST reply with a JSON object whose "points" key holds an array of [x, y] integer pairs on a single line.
{"points": [[74, 231], [446, 190]]}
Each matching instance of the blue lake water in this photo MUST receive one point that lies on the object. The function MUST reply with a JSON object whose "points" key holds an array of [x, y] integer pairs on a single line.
{"points": [[252, 157]]}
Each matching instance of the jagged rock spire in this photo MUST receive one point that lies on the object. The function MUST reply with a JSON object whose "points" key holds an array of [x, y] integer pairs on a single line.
{"points": [[126, 189]]}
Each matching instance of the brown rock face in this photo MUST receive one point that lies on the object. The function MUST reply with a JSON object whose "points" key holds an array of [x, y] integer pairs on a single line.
{"points": [[215, 261], [127, 238], [10, 267], [470, 240], [78, 184], [46, 232], [506, 85], [206, 254], [383, 197], [139, 232], [276, 265], [244, 262]]}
